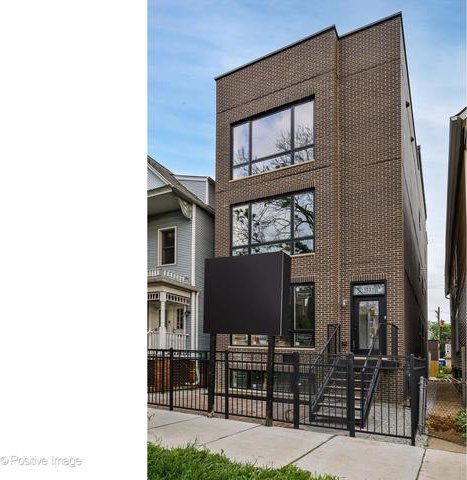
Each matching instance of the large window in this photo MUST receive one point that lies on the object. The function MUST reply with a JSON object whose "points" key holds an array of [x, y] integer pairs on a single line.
{"points": [[273, 141], [281, 223], [167, 241], [302, 333]]}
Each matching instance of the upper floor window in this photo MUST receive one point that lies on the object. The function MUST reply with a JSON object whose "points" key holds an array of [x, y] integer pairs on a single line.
{"points": [[273, 141], [280, 223], [167, 241]]}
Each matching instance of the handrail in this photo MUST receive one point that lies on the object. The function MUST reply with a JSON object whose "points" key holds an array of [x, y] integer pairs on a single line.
{"points": [[372, 346], [329, 340], [365, 404], [366, 399], [322, 355], [394, 339]]}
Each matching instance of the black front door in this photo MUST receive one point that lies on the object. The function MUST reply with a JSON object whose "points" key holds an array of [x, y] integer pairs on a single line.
{"points": [[368, 314]]}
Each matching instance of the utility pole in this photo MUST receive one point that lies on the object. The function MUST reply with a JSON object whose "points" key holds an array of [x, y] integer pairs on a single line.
{"points": [[437, 312]]}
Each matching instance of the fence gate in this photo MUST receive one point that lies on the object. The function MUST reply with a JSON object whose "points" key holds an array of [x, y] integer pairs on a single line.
{"points": [[178, 378]]}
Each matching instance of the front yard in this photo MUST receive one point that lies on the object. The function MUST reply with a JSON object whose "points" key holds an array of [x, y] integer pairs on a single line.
{"points": [[190, 463]]}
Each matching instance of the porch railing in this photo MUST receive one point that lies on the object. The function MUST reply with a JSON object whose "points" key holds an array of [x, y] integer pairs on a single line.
{"points": [[372, 366], [162, 272], [158, 340], [324, 365]]}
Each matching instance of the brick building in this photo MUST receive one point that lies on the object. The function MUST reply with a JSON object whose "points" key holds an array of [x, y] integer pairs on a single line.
{"points": [[317, 155], [456, 259]]}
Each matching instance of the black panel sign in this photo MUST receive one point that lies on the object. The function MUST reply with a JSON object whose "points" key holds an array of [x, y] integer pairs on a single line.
{"points": [[247, 294]]}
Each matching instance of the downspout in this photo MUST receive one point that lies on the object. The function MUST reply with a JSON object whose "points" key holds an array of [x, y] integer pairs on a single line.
{"points": [[197, 322], [192, 326], [194, 302], [339, 270]]}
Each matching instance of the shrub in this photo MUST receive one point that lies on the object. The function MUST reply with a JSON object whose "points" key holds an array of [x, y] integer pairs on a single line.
{"points": [[189, 463], [444, 372], [461, 422]]}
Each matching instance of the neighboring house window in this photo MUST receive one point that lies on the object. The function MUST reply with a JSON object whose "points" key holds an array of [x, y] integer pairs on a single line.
{"points": [[302, 332], [272, 141], [180, 318], [280, 223], [167, 239]]}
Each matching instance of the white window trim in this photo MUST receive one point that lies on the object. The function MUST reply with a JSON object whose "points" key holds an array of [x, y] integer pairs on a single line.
{"points": [[159, 246]]}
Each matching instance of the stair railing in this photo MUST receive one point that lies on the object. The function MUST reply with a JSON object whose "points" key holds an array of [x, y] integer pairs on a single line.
{"points": [[394, 340], [324, 365], [366, 395]]}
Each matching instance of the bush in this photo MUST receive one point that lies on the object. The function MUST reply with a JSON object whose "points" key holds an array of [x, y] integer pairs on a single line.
{"points": [[444, 372], [461, 422], [190, 463]]}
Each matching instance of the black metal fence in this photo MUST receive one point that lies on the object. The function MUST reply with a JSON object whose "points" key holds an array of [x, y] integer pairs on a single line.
{"points": [[178, 378], [377, 396]]}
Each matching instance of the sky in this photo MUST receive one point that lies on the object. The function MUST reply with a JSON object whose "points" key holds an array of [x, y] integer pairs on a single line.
{"points": [[191, 42]]}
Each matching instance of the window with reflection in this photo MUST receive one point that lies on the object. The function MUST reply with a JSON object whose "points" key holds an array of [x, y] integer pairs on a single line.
{"points": [[303, 316], [282, 223], [302, 333], [272, 141], [249, 340]]}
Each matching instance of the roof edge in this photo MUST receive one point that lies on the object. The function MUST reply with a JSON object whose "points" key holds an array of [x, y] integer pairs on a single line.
{"points": [[263, 57], [309, 37], [372, 24], [177, 187], [453, 180]]}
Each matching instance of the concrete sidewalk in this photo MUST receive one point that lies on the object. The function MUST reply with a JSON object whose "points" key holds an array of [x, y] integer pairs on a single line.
{"points": [[348, 458]]}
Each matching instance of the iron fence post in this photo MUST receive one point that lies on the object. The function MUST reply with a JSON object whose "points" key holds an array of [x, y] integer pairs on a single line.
{"points": [[413, 400], [211, 372], [226, 383], [269, 381], [350, 395], [296, 389], [171, 379]]}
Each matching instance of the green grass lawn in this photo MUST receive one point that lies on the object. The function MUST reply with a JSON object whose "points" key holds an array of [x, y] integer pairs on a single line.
{"points": [[190, 463]]}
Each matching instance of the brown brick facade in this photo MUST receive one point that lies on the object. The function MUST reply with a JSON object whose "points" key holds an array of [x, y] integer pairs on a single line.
{"points": [[357, 174]]}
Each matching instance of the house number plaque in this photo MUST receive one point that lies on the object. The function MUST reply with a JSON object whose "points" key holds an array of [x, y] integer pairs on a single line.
{"points": [[372, 289]]}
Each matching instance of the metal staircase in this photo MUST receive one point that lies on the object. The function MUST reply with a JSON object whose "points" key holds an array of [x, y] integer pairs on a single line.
{"points": [[333, 381]]}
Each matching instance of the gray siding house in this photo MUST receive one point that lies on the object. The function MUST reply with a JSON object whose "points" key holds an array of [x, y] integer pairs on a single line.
{"points": [[180, 238]]}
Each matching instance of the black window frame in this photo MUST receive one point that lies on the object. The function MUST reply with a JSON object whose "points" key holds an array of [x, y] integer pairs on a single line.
{"points": [[290, 152], [290, 241], [282, 382], [249, 344], [304, 331]]}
